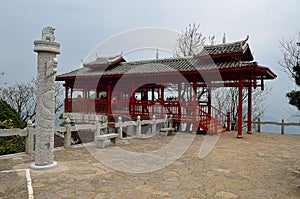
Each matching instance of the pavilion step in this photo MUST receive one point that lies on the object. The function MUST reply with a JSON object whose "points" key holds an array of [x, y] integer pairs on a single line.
{"points": [[220, 129]]}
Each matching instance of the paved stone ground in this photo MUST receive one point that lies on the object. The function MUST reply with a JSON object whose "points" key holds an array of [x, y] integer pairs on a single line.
{"points": [[13, 185], [257, 166]]}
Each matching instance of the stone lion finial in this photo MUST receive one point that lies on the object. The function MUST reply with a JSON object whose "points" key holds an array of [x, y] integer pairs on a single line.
{"points": [[48, 33]]}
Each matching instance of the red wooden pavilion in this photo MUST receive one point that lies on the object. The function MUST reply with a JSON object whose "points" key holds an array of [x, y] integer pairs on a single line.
{"points": [[114, 86]]}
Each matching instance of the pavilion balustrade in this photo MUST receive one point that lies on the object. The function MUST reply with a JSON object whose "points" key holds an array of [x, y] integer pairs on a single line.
{"points": [[184, 111]]}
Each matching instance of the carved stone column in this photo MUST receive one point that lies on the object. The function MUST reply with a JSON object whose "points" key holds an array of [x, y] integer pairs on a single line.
{"points": [[47, 50]]}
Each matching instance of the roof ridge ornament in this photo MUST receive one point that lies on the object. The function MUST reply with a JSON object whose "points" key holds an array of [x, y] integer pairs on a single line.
{"points": [[224, 38], [247, 38], [243, 42], [104, 61]]}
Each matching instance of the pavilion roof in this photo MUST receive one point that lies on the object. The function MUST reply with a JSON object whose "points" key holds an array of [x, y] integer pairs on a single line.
{"points": [[239, 47], [104, 61], [161, 66], [205, 61]]}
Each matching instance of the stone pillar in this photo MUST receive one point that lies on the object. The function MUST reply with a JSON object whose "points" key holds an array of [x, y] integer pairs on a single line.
{"points": [[166, 123], [98, 127], [67, 134], [171, 121], [138, 126], [47, 50], [120, 129], [30, 138], [154, 124]]}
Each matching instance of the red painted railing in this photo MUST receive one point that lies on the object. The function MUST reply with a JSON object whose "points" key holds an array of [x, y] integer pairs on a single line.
{"points": [[181, 111], [222, 117]]}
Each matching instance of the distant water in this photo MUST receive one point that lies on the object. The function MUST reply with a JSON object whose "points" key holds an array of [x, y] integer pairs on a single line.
{"points": [[277, 129], [271, 128]]}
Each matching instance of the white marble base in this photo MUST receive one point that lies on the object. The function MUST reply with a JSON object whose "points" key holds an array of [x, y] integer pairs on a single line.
{"points": [[46, 167]]}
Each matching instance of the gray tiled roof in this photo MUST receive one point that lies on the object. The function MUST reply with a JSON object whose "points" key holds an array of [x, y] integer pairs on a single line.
{"points": [[159, 66], [104, 61], [227, 48], [185, 64]]}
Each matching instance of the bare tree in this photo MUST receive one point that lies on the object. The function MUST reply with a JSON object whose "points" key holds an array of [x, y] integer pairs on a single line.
{"points": [[290, 50], [290, 63], [22, 98], [59, 97], [191, 41], [226, 100]]}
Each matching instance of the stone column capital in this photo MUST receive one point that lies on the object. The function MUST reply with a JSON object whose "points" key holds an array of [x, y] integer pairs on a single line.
{"points": [[46, 46]]}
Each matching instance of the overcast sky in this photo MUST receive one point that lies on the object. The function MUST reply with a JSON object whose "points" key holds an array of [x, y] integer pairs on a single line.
{"points": [[81, 25]]}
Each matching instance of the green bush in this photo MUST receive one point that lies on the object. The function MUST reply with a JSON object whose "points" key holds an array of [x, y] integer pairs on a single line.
{"points": [[8, 113], [12, 144], [10, 119]]}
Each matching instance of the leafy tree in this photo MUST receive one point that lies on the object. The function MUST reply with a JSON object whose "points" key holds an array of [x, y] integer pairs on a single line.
{"points": [[294, 98], [7, 113], [10, 119], [290, 64]]}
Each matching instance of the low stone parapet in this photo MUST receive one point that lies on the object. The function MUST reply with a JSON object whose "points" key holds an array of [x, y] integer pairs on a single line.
{"points": [[101, 139], [167, 131]]}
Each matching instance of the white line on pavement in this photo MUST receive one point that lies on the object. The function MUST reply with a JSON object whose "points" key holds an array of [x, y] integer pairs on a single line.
{"points": [[28, 178]]}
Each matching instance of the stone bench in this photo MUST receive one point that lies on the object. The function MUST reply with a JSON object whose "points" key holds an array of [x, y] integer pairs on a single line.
{"points": [[101, 139], [167, 131]]}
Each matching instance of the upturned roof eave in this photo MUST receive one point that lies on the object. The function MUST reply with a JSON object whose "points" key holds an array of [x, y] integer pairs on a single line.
{"points": [[263, 70]]}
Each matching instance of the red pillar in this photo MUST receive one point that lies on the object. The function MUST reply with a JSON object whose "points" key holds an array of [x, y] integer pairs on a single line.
{"points": [[71, 102], [162, 102], [109, 98], [132, 102], [249, 110], [85, 107], [85, 90], [209, 100], [66, 98], [97, 94], [179, 100], [152, 94], [240, 109], [228, 122], [195, 123]]}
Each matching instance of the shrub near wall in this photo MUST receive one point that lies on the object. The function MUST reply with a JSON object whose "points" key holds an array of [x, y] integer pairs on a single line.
{"points": [[9, 119]]}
